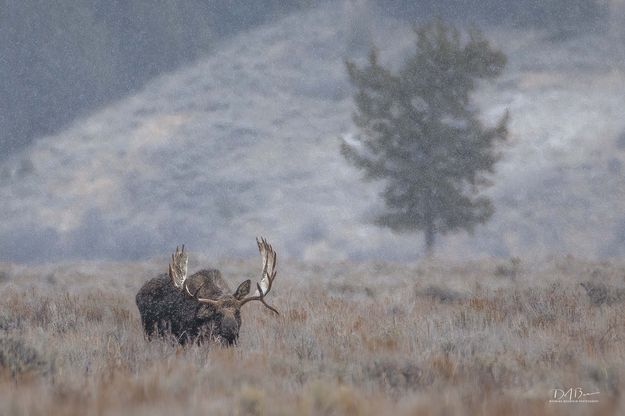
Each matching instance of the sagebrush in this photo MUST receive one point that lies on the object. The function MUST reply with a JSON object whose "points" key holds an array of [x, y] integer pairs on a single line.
{"points": [[352, 338]]}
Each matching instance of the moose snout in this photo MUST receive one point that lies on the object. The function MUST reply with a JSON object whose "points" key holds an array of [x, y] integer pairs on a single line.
{"points": [[229, 330]]}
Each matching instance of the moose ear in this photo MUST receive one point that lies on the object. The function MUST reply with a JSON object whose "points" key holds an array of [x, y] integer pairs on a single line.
{"points": [[243, 289]]}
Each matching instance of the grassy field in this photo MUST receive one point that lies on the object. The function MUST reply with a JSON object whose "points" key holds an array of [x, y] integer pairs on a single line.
{"points": [[487, 337]]}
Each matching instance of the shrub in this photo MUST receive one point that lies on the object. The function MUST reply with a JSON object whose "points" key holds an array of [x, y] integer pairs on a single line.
{"points": [[398, 375], [440, 294], [600, 294], [17, 358], [510, 269], [8, 323]]}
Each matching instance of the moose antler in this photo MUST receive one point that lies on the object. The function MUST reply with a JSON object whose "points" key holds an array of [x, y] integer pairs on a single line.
{"points": [[268, 274], [178, 274], [178, 268]]}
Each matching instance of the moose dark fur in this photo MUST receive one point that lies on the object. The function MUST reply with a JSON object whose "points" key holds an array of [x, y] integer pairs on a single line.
{"points": [[201, 307], [166, 309]]}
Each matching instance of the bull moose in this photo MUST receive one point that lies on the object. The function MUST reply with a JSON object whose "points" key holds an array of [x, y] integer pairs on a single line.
{"points": [[201, 307]]}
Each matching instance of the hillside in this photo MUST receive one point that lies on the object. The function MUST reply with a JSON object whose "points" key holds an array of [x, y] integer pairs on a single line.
{"points": [[246, 142]]}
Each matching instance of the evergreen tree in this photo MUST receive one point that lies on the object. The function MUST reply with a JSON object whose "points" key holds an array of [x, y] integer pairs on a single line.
{"points": [[421, 133]]}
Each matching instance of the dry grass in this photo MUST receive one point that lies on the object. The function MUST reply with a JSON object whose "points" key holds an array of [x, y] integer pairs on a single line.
{"points": [[489, 337]]}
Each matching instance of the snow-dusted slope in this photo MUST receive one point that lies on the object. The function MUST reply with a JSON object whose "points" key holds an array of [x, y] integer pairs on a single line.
{"points": [[246, 142]]}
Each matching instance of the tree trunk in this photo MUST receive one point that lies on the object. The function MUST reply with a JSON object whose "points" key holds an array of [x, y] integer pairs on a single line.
{"points": [[430, 236]]}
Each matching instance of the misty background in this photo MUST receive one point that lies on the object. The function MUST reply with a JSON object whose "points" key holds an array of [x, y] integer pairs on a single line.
{"points": [[127, 128]]}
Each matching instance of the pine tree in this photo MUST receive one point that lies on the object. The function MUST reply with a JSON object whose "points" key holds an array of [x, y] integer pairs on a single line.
{"points": [[421, 135]]}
